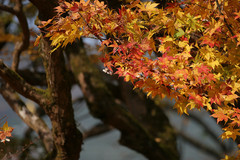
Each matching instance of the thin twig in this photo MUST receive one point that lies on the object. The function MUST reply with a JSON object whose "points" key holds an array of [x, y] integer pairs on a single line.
{"points": [[20, 46], [98, 37], [225, 21]]}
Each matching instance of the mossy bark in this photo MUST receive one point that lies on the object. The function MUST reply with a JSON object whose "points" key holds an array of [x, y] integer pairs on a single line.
{"points": [[67, 138]]}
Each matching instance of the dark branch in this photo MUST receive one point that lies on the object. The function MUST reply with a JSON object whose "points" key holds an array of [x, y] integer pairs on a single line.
{"points": [[31, 119], [20, 85], [33, 78], [225, 21], [7, 9], [45, 8], [20, 46], [23, 45]]}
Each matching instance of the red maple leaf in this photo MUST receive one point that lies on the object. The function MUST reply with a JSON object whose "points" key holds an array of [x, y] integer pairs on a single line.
{"points": [[236, 113], [74, 8], [197, 99]]}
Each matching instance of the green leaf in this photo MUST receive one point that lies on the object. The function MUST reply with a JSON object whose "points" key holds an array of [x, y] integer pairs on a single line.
{"points": [[180, 33]]}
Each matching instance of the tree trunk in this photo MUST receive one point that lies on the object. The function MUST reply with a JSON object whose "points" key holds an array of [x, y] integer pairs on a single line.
{"points": [[66, 136]]}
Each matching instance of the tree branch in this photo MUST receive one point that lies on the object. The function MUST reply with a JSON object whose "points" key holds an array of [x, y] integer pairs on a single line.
{"points": [[33, 78], [97, 130], [21, 86], [32, 120], [225, 21], [7, 9], [200, 146], [45, 6], [67, 138], [20, 46], [208, 129]]}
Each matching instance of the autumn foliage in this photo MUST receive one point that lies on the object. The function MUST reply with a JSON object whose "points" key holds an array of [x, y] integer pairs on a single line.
{"points": [[188, 51], [5, 131]]}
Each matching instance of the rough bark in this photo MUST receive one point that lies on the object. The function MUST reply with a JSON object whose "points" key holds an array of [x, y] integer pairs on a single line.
{"points": [[67, 137]]}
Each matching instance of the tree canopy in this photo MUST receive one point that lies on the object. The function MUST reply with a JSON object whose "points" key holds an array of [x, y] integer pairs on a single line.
{"points": [[188, 51]]}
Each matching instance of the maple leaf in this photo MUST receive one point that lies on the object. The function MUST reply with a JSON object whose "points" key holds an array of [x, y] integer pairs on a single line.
{"points": [[197, 60], [236, 113], [5, 132], [235, 122], [216, 27], [171, 5], [216, 99], [147, 6], [231, 97], [45, 23], [181, 107], [220, 115], [74, 8], [238, 15], [59, 9], [36, 43], [203, 69], [210, 42], [180, 33], [230, 132], [197, 99]]}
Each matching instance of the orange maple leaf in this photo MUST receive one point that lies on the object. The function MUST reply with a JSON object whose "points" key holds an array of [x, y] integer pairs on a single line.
{"points": [[5, 132], [219, 114]]}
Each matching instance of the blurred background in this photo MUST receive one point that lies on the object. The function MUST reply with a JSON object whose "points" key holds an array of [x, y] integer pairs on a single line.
{"points": [[197, 135]]}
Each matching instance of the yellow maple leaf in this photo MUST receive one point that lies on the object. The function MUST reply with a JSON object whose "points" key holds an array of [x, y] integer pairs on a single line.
{"points": [[231, 97], [147, 6], [230, 132]]}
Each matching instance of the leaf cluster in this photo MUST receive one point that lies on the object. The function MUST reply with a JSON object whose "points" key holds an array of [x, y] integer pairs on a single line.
{"points": [[5, 132], [189, 51]]}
